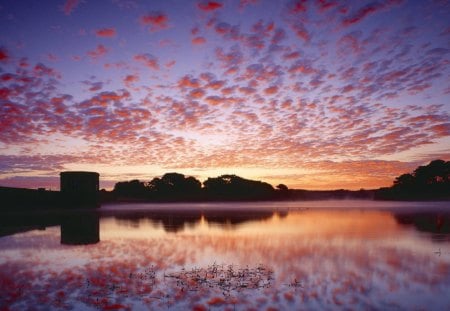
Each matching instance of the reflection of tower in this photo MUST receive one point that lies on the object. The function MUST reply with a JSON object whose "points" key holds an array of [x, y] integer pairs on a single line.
{"points": [[80, 189], [83, 228]]}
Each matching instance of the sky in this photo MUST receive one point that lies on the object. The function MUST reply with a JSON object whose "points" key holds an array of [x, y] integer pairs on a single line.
{"points": [[313, 94]]}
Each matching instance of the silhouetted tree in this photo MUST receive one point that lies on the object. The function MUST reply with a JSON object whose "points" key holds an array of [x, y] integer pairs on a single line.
{"points": [[131, 189], [175, 187], [405, 180], [431, 181], [232, 187], [282, 187]]}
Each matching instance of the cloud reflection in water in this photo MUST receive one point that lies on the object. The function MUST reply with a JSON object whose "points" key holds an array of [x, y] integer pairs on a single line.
{"points": [[320, 259]]}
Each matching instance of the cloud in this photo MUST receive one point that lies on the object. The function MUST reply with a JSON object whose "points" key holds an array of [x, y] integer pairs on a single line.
{"points": [[188, 81], [326, 4], [148, 60], [155, 20], [297, 6], [69, 6], [198, 40], [441, 130], [106, 32], [99, 52], [196, 93], [4, 56], [229, 59], [129, 80], [271, 90], [209, 5], [170, 64], [368, 9], [245, 3]]}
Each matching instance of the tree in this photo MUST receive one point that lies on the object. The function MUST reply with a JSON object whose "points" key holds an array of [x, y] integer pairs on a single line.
{"points": [[232, 187], [131, 189], [405, 180], [175, 186], [430, 181], [282, 187]]}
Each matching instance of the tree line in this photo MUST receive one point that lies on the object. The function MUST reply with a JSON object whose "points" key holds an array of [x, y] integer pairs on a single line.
{"points": [[429, 182], [178, 187]]}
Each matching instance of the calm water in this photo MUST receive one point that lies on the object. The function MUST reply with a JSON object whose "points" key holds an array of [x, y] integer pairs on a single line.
{"points": [[323, 255]]}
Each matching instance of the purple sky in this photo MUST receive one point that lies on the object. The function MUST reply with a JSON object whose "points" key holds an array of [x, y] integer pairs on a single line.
{"points": [[313, 94]]}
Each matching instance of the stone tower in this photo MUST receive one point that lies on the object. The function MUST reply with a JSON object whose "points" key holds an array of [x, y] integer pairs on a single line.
{"points": [[80, 189]]}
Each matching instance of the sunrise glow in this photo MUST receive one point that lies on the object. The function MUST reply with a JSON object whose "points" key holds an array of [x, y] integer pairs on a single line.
{"points": [[313, 94]]}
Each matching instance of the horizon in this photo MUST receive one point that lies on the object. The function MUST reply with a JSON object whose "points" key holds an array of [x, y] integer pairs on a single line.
{"points": [[319, 95], [112, 183]]}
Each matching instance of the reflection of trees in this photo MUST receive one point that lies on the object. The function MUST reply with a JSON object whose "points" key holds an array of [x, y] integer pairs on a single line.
{"points": [[437, 224], [431, 181], [175, 221]]}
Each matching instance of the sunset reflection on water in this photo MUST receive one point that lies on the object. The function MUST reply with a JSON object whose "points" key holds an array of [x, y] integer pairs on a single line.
{"points": [[320, 259]]}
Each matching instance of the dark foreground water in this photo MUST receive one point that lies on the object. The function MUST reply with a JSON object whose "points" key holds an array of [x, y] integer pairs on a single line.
{"points": [[323, 255]]}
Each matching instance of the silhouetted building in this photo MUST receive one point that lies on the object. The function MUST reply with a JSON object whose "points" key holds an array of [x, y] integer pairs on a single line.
{"points": [[80, 189]]}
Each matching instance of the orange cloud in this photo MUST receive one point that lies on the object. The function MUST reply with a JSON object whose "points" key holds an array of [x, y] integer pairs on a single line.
{"points": [[199, 40], [197, 93], [271, 90]]}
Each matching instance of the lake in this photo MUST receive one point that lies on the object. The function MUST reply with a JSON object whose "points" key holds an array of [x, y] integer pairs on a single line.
{"points": [[316, 255]]}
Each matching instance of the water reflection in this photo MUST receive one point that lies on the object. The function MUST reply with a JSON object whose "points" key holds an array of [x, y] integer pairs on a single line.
{"points": [[177, 221], [219, 259], [80, 229]]}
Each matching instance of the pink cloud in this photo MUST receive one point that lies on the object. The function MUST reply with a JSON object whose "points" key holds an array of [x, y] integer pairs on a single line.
{"points": [[230, 59], [209, 5], [326, 5], [4, 57], [198, 40], [214, 100], [271, 90], [367, 10], [247, 90], [441, 130], [155, 20], [129, 80], [99, 52], [244, 3], [170, 64], [291, 55], [148, 60], [195, 31], [106, 32], [188, 82], [300, 30], [197, 93], [298, 6], [216, 84], [69, 6]]}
